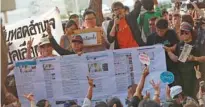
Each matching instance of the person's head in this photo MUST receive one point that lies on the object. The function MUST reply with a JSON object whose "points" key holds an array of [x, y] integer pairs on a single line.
{"points": [[152, 24], [45, 47], [43, 103], [77, 43], [165, 14], [186, 31], [71, 104], [148, 4], [113, 101], [127, 9], [75, 18], [161, 27], [89, 17], [118, 9], [176, 19], [148, 103], [70, 27], [188, 18], [101, 104], [176, 94], [190, 104]]}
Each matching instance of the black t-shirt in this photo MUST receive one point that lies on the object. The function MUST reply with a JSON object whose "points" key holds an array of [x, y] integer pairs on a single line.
{"points": [[188, 66], [169, 40]]}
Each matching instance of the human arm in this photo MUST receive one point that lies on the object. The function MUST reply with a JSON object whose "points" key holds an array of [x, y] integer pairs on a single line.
{"points": [[30, 98], [62, 42], [136, 11], [29, 46], [156, 87], [87, 100], [111, 32], [168, 97], [197, 59], [140, 86], [200, 12], [55, 45]]}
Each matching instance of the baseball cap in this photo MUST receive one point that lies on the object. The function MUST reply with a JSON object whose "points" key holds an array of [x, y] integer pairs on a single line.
{"points": [[44, 41], [185, 26], [77, 38], [175, 90]]}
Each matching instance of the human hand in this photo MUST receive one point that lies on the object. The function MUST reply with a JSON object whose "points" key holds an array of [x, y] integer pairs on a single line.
{"points": [[168, 91], [116, 21], [198, 73], [90, 82], [29, 97], [155, 86], [167, 49], [30, 43], [145, 71], [147, 96], [48, 29]]}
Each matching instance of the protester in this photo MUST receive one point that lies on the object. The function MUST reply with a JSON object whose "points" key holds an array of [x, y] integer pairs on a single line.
{"points": [[75, 18], [152, 25], [41, 103], [122, 30], [137, 97], [87, 101], [188, 18], [178, 95], [90, 18], [165, 14], [186, 69], [168, 38], [114, 101], [76, 44], [176, 21], [127, 9], [152, 10], [148, 103], [69, 30]]}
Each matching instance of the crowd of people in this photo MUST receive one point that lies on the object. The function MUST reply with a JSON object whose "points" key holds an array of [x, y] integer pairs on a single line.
{"points": [[128, 29]]}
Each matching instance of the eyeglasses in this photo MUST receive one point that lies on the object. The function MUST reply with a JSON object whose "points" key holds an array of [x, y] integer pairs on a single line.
{"points": [[184, 32], [116, 9]]}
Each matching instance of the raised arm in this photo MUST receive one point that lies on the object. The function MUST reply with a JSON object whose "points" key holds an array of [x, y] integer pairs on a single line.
{"points": [[136, 11], [87, 101], [55, 45], [140, 86], [156, 87], [29, 45]]}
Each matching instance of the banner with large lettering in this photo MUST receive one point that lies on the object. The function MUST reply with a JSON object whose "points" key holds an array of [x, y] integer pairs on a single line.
{"points": [[18, 34], [63, 78]]}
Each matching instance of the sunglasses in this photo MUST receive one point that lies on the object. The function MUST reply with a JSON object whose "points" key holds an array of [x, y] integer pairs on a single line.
{"points": [[184, 32]]}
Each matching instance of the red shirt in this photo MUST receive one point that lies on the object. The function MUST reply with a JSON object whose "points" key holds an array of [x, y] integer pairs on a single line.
{"points": [[125, 36]]}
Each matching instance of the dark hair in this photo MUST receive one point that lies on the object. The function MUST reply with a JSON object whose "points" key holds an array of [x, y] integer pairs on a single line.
{"points": [[113, 101], [162, 24], [108, 18], [117, 4], [148, 4], [127, 8], [73, 16], [176, 15], [153, 19], [41, 103], [87, 12], [70, 104], [148, 103], [188, 18], [70, 23], [101, 104], [164, 11]]}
